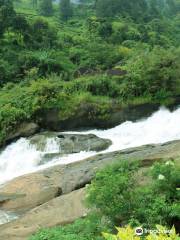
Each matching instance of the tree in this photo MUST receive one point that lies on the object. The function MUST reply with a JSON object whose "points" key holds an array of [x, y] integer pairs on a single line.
{"points": [[34, 3], [106, 8], [46, 7], [7, 15], [66, 11], [153, 9], [110, 8]]}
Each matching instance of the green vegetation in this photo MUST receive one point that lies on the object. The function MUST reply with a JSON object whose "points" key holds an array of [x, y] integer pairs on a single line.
{"points": [[96, 54], [119, 199], [25, 101], [138, 205], [66, 11], [45, 7]]}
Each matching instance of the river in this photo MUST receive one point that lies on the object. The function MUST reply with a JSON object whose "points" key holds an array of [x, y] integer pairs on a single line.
{"points": [[21, 157]]}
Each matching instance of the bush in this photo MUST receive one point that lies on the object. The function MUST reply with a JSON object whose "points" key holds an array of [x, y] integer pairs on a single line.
{"points": [[97, 85], [46, 62], [117, 195], [154, 73], [111, 191], [41, 34]]}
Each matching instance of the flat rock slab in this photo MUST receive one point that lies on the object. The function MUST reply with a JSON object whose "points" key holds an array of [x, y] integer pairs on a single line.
{"points": [[28, 191], [59, 211]]}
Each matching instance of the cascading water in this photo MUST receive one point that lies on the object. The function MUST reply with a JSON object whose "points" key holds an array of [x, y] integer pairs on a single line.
{"points": [[21, 157], [160, 127]]}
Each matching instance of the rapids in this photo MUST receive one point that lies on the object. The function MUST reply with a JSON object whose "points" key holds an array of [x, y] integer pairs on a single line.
{"points": [[21, 157]]}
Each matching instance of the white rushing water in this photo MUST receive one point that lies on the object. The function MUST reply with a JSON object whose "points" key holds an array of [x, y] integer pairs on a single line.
{"points": [[21, 157]]}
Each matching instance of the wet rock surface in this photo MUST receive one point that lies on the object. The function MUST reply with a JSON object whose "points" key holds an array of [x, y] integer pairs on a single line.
{"points": [[59, 211], [70, 143]]}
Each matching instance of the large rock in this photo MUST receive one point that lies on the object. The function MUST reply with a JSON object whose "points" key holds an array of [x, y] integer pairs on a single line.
{"points": [[59, 211], [29, 191], [87, 116], [39, 187], [84, 116], [70, 143], [78, 174], [25, 129]]}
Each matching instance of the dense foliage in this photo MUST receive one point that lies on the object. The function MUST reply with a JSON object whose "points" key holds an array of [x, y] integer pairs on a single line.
{"points": [[156, 203], [120, 199]]}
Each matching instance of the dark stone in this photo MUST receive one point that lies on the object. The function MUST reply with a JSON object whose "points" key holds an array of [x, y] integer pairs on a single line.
{"points": [[116, 72], [80, 119]]}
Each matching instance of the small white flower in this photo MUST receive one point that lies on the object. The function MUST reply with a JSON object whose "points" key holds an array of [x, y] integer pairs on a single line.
{"points": [[161, 177], [169, 163]]}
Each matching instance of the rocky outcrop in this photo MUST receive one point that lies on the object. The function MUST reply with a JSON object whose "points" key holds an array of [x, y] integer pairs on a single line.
{"points": [[78, 174], [82, 118], [25, 129], [27, 192], [6, 216], [70, 143], [86, 116], [59, 211]]}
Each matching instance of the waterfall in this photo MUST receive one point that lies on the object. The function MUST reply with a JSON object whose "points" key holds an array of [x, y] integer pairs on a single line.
{"points": [[22, 157]]}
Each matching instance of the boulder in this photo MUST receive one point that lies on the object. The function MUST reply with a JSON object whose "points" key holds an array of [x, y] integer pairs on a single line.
{"points": [[70, 143], [59, 211], [25, 129]]}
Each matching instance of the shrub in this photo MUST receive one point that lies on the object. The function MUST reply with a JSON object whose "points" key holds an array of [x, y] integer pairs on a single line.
{"points": [[111, 191], [98, 85], [117, 195], [155, 73], [46, 62]]}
